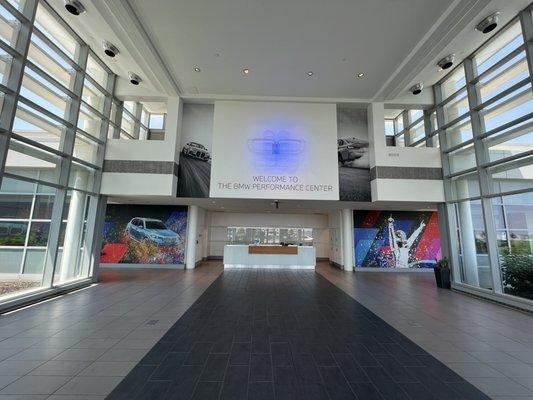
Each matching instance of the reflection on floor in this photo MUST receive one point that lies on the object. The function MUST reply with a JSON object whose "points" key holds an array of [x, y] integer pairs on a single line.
{"points": [[80, 346]]}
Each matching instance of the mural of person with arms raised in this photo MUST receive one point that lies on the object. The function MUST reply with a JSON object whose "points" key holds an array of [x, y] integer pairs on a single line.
{"points": [[401, 245]]}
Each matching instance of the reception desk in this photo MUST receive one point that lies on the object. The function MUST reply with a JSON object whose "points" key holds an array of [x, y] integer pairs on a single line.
{"points": [[243, 256]]}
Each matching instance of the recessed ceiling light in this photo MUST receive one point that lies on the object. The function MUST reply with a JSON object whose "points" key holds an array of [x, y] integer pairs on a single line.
{"points": [[197, 69], [310, 73], [360, 74], [246, 71]]}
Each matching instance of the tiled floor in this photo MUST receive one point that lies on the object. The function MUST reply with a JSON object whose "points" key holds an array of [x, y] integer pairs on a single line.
{"points": [[80, 346], [285, 334], [489, 345]]}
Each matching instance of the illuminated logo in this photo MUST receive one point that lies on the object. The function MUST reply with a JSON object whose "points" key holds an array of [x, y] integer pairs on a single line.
{"points": [[277, 152]]}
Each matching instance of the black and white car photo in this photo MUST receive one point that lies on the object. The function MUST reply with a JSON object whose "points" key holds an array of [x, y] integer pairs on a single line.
{"points": [[350, 149], [196, 150]]}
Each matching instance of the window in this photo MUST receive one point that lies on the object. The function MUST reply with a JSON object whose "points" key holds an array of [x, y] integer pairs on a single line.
{"points": [[472, 239], [157, 121], [493, 154], [44, 212], [260, 235]]}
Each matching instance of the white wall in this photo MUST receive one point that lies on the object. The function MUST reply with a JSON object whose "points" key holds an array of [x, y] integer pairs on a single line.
{"points": [[202, 235], [145, 150], [220, 221], [400, 157], [335, 237]]}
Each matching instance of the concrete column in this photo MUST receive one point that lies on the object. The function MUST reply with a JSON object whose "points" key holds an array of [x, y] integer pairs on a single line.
{"points": [[192, 238], [73, 230], [347, 239]]}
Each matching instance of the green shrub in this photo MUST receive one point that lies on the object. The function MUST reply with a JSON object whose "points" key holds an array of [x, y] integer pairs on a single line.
{"points": [[517, 274]]}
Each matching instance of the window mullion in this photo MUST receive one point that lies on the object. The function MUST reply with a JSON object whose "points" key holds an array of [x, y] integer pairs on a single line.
{"points": [[485, 181], [67, 146], [14, 81], [526, 22], [406, 123]]}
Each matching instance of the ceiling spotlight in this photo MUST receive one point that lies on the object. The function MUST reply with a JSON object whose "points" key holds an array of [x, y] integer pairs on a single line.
{"points": [[446, 62], [134, 78], [310, 73], [74, 7], [246, 71], [110, 49], [360, 74], [488, 24], [197, 69], [417, 89]]}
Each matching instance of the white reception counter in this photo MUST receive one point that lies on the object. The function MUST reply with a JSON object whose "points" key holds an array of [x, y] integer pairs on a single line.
{"points": [[295, 257]]}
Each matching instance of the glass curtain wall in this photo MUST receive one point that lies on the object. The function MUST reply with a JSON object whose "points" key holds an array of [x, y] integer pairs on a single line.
{"points": [[485, 114], [413, 128], [55, 105], [131, 120]]}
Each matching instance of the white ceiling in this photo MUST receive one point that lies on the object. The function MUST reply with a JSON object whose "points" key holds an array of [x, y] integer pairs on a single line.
{"points": [[394, 42], [280, 40]]}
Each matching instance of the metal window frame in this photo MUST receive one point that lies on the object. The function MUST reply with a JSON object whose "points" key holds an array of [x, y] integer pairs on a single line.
{"points": [[96, 208], [484, 165]]}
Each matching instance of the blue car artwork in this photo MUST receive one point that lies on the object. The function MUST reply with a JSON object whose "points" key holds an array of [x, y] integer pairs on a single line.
{"points": [[152, 231]]}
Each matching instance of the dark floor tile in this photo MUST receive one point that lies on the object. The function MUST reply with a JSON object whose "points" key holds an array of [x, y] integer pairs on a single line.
{"points": [[322, 355], [259, 334], [305, 368], [207, 391], [215, 368], [351, 370], [235, 385], [240, 353], [335, 383], [261, 391], [398, 373], [312, 391], [281, 354], [222, 345], [167, 370], [260, 343], [384, 384], [417, 391], [402, 356], [198, 354], [362, 356], [183, 386], [261, 367], [365, 391], [153, 390]]}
